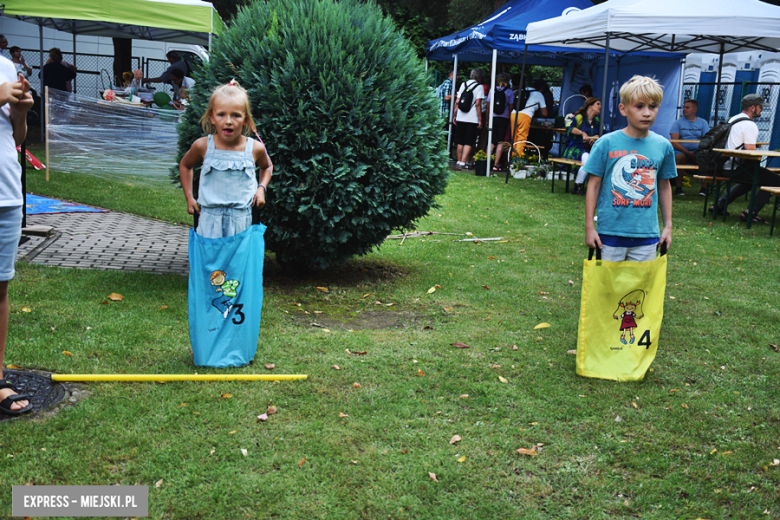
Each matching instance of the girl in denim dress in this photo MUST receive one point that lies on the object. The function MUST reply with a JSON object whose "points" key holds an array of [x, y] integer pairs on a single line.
{"points": [[236, 169]]}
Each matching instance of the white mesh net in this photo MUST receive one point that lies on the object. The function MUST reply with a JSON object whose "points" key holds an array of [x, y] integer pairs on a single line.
{"points": [[110, 139]]}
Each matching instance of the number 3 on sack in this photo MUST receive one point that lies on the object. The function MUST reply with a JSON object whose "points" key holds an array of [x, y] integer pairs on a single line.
{"points": [[241, 315]]}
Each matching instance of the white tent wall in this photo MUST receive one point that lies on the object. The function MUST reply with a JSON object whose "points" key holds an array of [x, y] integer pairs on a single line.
{"points": [[665, 71]]}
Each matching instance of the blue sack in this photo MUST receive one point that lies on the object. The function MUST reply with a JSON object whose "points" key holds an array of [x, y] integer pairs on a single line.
{"points": [[226, 297]]}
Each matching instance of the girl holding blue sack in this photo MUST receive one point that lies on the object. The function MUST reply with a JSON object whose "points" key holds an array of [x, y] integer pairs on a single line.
{"points": [[226, 252]]}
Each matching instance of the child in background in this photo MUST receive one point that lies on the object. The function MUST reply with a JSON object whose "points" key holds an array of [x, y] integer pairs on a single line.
{"points": [[15, 102], [629, 176], [229, 184]]}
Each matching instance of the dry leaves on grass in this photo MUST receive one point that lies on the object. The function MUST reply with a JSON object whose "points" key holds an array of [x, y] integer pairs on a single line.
{"points": [[432, 290], [572, 352], [336, 367], [458, 344], [322, 289], [244, 452], [503, 379], [356, 385], [26, 309], [342, 414], [271, 410], [158, 483], [462, 459], [542, 326], [270, 366], [115, 297], [455, 438], [227, 396], [302, 461], [486, 287], [464, 396], [263, 417], [66, 353], [420, 373], [774, 347], [529, 452], [433, 477]]}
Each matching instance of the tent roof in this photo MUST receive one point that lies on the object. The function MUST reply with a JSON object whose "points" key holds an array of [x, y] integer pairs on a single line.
{"points": [[666, 26], [476, 43], [183, 21]]}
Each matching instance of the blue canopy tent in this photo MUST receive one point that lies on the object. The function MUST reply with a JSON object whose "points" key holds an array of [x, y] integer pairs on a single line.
{"points": [[501, 37]]}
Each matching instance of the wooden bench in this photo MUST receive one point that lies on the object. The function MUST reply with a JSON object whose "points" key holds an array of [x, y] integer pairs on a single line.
{"points": [[565, 166], [776, 193], [708, 179]]}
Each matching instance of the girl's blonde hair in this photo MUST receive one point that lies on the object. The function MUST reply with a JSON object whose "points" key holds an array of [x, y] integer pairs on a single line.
{"points": [[641, 88], [233, 90], [502, 80]]}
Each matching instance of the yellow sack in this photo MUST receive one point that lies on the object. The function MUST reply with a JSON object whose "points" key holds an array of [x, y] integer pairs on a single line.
{"points": [[620, 317]]}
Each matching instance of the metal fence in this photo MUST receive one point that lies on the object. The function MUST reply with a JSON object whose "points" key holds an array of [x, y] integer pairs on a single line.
{"points": [[95, 71], [729, 103]]}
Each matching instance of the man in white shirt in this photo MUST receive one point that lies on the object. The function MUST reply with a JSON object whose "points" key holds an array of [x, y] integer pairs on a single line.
{"points": [[521, 121], [743, 136], [468, 122]]}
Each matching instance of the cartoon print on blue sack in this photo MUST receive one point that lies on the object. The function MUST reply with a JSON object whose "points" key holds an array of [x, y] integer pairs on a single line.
{"points": [[633, 181], [629, 310], [228, 288]]}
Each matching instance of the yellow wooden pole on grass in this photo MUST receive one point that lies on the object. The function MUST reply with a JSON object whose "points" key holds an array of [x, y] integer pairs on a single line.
{"points": [[175, 377]]}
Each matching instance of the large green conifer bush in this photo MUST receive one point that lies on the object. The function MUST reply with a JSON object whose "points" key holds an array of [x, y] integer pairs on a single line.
{"points": [[341, 102]]}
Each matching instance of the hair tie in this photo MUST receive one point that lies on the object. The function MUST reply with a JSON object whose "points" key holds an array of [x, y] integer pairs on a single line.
{"points": [[232, 82]]}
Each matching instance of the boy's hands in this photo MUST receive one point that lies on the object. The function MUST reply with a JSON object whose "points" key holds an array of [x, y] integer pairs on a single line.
{"points": [[13, 92], [666, 236], [259, 199], [192, 206], [592, 239], [26, 102]]}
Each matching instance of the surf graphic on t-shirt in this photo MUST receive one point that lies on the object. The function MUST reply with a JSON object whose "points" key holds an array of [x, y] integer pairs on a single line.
{"points": [[633, 179]]}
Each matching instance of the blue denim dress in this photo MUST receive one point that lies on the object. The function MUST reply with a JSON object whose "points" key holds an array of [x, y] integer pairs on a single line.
{"points": [[228, 183]]}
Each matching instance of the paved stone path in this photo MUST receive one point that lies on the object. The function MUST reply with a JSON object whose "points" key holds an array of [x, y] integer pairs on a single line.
{"points": [[108, 241]]}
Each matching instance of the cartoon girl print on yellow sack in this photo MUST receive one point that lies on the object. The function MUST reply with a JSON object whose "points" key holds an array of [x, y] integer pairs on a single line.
{"points": [[629, 310]]}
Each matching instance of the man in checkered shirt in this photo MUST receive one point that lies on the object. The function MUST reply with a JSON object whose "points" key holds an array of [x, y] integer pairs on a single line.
{"points": [[444, 93]]}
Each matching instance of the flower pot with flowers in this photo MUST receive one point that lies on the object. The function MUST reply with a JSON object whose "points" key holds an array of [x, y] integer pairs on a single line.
{"points": [[480, 163]]}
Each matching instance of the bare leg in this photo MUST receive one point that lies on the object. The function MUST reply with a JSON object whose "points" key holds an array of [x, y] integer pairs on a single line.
{"points": [[3, 331], [466, 153], [499, 153]]}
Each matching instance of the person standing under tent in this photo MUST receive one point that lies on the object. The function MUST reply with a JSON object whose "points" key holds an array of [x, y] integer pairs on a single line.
{"points": [[18, 61], [15, 102], [56, 75], [501, 104], [180, 81], [444, 93], [468, 121], [521, 121], [176, 63], [688, 127], [583, 132]]}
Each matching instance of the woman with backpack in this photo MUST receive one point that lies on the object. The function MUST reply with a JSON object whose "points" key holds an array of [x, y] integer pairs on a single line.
{"points": [[468, 116], [500, 101]]}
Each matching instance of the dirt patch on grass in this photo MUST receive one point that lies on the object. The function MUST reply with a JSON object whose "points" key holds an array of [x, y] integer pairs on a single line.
{"points": [[365, 320]]}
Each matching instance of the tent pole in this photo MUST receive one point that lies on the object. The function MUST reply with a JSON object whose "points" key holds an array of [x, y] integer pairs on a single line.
{"points": [[717, 88], [452, 105], [604, 87], [42, 88], [46, 117], [680, 94], [513, 121], [489, 145], [74, 58]]}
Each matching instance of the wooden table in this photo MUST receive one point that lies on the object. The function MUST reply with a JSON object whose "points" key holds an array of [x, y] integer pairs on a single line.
{"points": [[696, 141], [750, 155]]}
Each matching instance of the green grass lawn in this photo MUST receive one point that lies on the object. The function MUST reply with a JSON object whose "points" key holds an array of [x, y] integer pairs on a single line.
{"points": [[700, 442]]}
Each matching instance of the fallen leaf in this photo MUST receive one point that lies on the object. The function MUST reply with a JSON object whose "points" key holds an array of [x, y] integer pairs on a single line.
{"points": [[211, 452], [514, 347], [317, 312], [774, 347], [227, 396], [448, 309], [502, 379], [437, 286], [491, 258], [302, 461], [354, 462], [775, 462], [183, 404], [404, 452], [263, 417], [571, 282], [633, 404], [244, 452], [26, 309], [367, 294], [673, 390], [672, 298], [163, 307], [433, 477], [65, 352], [296, 304], [542, 326], [455, 438], [323, 289], [342, 414], [158, 483], [356, 385], [685, 405], [104, 303], [389, 304], [432, 290], [325, 330], [458, 344], [464, 396], [271, 410], [361, 353], [335, 367], [462, 459], [525, 451], [542, 292], [12, 366], [533, 423], [270, 366], [115, 297], [420, 372], [572, 352], [727, 453], [486, 287]]}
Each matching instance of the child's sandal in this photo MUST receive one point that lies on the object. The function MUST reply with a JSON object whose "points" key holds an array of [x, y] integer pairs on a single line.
{"points": [[5, 404]]}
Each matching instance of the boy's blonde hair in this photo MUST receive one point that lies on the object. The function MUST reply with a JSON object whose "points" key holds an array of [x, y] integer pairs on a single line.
{"points": [[234, 90], [641, 88]]}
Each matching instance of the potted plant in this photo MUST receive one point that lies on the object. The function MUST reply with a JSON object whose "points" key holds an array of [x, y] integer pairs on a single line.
{"points": [[480, 163], [517, 167], [543, 171]]}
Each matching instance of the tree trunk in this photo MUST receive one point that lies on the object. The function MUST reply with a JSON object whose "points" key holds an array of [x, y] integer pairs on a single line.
{"points": [[123, 51]]}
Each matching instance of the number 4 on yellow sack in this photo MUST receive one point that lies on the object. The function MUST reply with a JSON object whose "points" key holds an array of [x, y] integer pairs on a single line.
{"points": [[620, 317]]}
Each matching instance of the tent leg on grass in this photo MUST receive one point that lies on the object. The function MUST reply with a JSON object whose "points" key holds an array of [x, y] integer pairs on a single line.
{"points": [[72, 378], [604, 87], [452, 105]]}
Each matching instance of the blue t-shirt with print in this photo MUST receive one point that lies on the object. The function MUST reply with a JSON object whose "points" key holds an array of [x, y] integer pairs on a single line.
{"points": [[629, 167], [690, 130]]}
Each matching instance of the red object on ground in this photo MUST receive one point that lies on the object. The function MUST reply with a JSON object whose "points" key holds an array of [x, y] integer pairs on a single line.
{"points": [[31, 159]]}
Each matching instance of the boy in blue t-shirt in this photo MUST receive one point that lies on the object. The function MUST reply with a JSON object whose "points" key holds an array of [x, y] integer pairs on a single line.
{"points": [[629, 175]]}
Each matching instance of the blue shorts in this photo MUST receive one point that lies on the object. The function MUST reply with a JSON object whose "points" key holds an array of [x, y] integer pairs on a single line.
{"points": [[10, 232], [221, 221]]}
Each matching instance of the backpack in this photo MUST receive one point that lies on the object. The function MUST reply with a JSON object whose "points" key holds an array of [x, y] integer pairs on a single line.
{"points": [[499, 101], [467, 99], [524, 95], [717, 137]]}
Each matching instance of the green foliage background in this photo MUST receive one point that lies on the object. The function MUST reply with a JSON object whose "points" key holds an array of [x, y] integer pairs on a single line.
{"points": [[341, 100]]}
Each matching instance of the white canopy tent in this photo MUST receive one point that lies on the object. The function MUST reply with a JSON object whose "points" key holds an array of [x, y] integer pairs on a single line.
{"points": [[717, 26]]}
